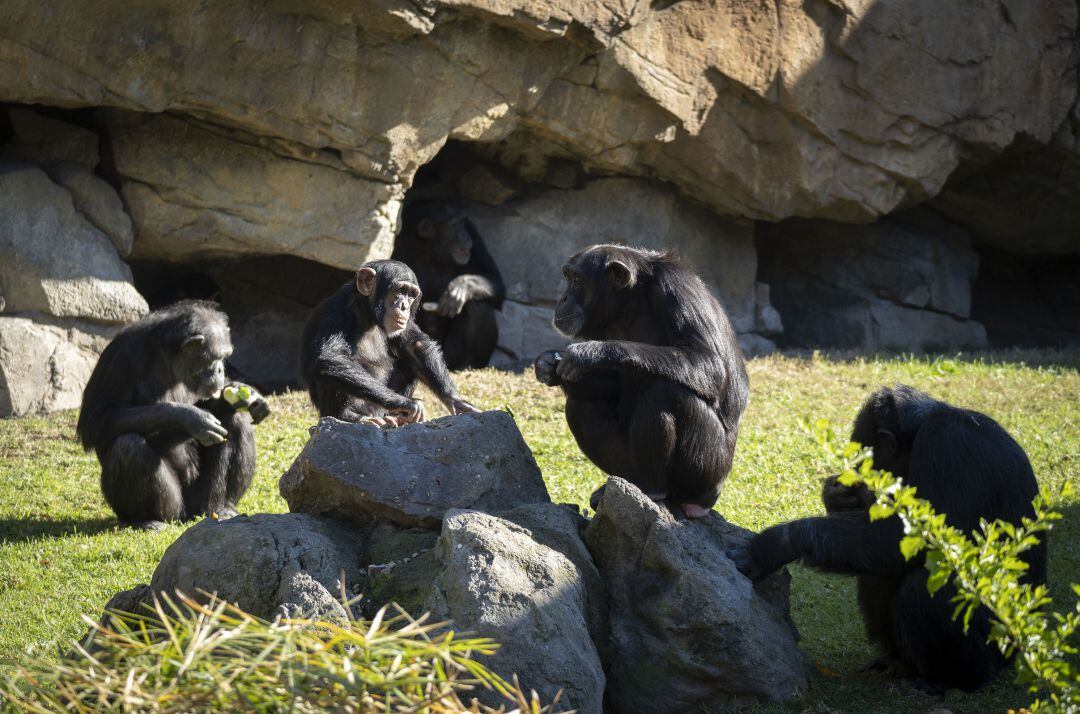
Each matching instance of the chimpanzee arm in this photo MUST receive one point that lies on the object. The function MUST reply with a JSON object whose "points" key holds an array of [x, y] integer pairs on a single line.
{"points": [[153, 419], [698, 372], [426, 359], [848, 543], [335, 363]]}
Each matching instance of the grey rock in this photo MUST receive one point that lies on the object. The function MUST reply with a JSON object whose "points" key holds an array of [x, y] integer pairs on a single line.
{"points": [[41, 139], [283, 564], [52, 260], [414, 474], [97, 201], [903, 283], [45, 362], [688, 631], [526, 330], [498, 581]]}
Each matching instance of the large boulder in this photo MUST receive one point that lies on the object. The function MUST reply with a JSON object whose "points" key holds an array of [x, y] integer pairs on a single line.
{"points": [[414, 474], [688, 631], [53, 260], [194, 191], [45, 363], [758, 109], [282, 564], [904, 282], [97, 201], [500, 580]]}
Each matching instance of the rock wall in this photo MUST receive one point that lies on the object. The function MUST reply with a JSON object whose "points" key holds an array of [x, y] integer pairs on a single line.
{"points": [[186, 132]]}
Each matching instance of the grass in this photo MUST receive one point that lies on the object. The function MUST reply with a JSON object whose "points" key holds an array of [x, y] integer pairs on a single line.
{"points": [[61, 554]]}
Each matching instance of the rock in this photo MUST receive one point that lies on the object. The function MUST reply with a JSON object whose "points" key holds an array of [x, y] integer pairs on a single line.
{"points": [[526, 330], [401, 568], [45, 363], [414, 474], [760, 110], [498, 581], [52, 260], [902, 283], [688, 631], [194, 191], [755, 345], [97, 201], [283, 564], [41, 139]]}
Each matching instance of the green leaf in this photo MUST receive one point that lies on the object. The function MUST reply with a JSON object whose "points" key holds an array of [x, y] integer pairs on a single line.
{"points": [[879, 511], [911, 545]]}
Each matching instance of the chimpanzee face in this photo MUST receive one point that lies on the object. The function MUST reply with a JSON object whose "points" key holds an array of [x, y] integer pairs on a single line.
{"points": [[202, 361], [593, 295], [449, 237], [393, 292]]}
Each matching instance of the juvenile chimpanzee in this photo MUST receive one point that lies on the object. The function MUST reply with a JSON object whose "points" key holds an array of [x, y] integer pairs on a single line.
{"points": [[968, 468], [454, 268], [362, 353], [656, 394], [170, 446]]}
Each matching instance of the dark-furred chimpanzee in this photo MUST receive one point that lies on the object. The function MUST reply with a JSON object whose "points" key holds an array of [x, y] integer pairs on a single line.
{"points": [[362, 352], [455, 269], [968, 468], [170, 445], [656, 394]]}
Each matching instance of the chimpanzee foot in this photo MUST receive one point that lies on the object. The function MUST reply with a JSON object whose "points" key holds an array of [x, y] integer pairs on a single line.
{"points": [[225, 512], [149, 525], [693, 510]]}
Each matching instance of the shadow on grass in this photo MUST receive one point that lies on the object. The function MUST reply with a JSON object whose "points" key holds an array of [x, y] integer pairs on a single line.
{"points": [[21, 530], [1061, 358]]}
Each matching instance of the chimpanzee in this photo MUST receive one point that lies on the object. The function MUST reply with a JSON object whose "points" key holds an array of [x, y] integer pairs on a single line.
{"points": [[170, 445], [454, 267], [656, 394], [361, 352], [968, 468]]}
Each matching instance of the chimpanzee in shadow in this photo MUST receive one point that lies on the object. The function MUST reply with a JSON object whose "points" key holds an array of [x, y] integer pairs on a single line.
{"points": [[656, 393], [968, 468], [362, 353], [455, 270], [170, 446]]}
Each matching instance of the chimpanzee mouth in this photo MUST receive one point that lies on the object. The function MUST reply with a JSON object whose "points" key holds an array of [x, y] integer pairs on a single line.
{"points": [[569, 326], [461, 257]]}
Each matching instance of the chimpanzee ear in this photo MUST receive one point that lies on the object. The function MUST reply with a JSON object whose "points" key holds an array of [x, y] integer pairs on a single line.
{"points": [[886, 444], [365, 281], [426, 228], [193, 341], [619, 274]]}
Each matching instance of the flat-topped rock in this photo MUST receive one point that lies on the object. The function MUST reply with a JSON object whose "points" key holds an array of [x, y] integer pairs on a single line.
{"points": [[414, 474]]}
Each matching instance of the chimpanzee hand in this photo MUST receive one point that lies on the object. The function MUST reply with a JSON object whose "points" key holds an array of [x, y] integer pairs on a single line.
{"points": [[577, 359], [457, 405], [453, 300], [763, 554], [545, 365], [410, 412], [205, 428], [255, 403]]}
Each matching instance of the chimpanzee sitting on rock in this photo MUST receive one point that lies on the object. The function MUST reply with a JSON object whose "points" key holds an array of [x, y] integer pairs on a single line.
{"points": [[361, 353], [170, 445], [454, 269], [968, 468], [656, 393]]}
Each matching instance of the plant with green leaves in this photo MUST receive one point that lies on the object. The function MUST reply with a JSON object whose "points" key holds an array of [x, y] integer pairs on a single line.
{"points": [[191, 657], [984, 567]]}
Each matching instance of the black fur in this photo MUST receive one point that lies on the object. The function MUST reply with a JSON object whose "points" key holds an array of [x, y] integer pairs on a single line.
{"points": [[656, 394], [149, 413], [968, 468], [431, 234], [353, 369]]}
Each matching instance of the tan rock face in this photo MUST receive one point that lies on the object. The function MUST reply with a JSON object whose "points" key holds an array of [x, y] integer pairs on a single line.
{"points": [[842, 109]]}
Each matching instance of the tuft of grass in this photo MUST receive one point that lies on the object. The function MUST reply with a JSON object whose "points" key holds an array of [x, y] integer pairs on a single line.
{"points": [[187, 657], [62, 555]]}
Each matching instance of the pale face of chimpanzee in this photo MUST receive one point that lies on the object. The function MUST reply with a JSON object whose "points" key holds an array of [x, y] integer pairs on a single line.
{"points": [[202, 363], [590, 301], [450, 237], [393, 303]]}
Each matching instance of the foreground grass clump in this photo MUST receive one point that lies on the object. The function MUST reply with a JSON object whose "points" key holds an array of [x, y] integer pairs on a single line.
{"points": [[63, 556], [188, 657]]}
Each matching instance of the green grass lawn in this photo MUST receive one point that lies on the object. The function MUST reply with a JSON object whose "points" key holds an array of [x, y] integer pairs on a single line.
{"points": [[62, 555]]}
